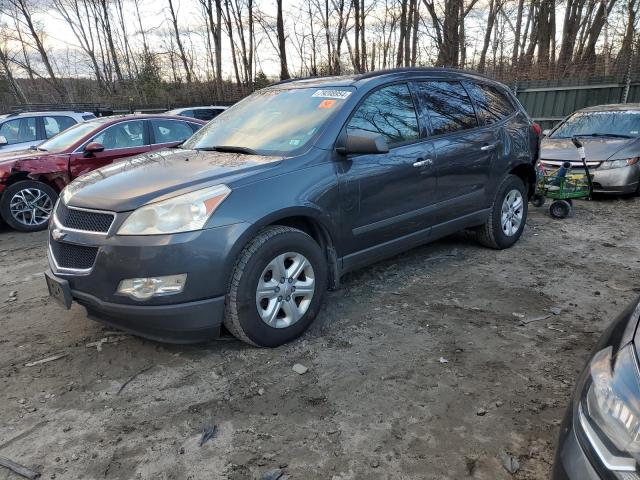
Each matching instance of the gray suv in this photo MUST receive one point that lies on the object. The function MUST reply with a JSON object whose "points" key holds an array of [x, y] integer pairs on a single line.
{"points": [[254, 217]]}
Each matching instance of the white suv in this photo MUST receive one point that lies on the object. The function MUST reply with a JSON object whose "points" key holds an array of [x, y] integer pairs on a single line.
{"points": [[19, 131]]}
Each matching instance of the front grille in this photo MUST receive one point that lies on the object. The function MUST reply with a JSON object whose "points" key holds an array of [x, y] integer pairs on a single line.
{"points": [[69, 255], [83, 219]]}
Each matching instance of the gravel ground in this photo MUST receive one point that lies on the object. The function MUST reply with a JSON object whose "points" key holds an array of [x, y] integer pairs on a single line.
{"points": [[420, 367]]}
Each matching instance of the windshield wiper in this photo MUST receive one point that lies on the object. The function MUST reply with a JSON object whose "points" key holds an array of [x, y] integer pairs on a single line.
{"points": [[611, 135], [230, 149], [40, 149]]}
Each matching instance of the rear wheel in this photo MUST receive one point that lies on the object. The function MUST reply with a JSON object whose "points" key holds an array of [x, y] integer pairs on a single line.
{"points": [[507, 217], [27, 205], [277, 287]]}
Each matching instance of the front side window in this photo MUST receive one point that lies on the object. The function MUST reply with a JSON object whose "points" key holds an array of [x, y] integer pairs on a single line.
{"points": [[448, 105], [19, 130], [389, 112], [624, 123], [492, 105], [56, 124], [274, 121], [169, 131], [122, 135]]}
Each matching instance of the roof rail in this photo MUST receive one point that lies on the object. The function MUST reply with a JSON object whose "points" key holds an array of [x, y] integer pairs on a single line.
{"points": [[56, 107], [377, 73]]}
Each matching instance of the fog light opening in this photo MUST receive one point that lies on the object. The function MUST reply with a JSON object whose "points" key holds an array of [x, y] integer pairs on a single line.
{"points": [[148, 287]]}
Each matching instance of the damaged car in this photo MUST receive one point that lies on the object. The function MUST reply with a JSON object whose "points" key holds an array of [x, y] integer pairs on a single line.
{"points": [[610, 135], [30, 180], [249, 221]]}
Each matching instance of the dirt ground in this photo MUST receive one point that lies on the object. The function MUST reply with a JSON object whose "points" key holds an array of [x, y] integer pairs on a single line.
{"points": [[419, 368]]}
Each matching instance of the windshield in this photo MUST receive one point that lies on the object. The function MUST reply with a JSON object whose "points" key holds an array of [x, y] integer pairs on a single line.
{"points": [[271, 121], [68, 137], [624, 123]]}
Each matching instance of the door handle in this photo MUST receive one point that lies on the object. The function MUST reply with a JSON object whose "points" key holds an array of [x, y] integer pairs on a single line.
{"points": [[487, 148], [423, 163]]}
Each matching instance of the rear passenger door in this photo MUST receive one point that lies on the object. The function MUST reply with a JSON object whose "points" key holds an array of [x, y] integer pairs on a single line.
{"points": [[464, 152], [394, 189]]}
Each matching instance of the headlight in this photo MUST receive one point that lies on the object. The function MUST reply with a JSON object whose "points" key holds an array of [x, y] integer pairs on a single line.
{"points": [[612, 405], [184, 213], [606, 165]]}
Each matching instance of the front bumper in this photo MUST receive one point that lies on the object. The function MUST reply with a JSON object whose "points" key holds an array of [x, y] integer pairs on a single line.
{"points": [[193, 315], [616, 180], [571, 461]]}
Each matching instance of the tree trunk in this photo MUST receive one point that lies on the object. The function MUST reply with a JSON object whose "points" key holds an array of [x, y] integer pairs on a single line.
{"points": [[284, 70]]}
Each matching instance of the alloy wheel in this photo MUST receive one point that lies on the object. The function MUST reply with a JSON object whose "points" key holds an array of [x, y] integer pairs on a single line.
{"points": [[285, 290], [512, 212], [31, 207]]}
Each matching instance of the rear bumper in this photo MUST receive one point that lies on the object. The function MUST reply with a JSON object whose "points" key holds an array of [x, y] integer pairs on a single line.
{"points": [[189, 322]]}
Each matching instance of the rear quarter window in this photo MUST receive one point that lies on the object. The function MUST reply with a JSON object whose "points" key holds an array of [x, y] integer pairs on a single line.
{"points": [[492, 105]]}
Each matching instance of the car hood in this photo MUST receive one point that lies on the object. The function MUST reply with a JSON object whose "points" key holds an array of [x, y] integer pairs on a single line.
{"points": [[596, 149], [131, 183], [8, 157]]}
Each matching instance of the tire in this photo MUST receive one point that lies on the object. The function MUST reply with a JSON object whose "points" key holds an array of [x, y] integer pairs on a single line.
{"points": [[24, 192], [560, 209], [257, 265], [492, 234], [538, 200]]}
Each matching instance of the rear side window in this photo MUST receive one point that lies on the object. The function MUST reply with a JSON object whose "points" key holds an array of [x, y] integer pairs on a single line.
{"points": [[206, 113], [56, 124], [448, 106], [492, 104], [187, 113], [88, 116], [168, 131], [19, 130], [388, 111]]}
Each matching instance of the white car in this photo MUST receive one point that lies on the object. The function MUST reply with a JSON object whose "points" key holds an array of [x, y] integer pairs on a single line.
{"points": [[201, 113], [21, 130]]}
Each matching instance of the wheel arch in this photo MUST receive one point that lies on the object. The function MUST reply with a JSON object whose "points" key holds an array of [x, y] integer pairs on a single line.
{"points": [[310, 220], [527, 173]]}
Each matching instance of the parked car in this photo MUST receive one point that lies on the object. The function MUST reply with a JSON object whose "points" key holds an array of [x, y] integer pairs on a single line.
{"points": [[23, 130], [201, 113], [291, 188], [30, 180], [600, 434], [611, 138]]}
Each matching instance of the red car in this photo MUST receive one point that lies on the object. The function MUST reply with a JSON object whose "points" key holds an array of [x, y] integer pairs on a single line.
{"points": [[30, 180]]}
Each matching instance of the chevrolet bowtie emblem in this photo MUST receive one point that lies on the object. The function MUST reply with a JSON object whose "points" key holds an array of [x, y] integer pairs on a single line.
{"points": [[58, 234]]}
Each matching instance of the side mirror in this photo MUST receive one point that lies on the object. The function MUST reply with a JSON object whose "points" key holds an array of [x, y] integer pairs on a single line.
{"points": [[361, 142], [546, 132], [93, 147], [3, 141]]}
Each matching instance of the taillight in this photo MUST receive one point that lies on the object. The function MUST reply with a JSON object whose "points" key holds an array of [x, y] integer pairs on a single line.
{"points": [[537, 129]]}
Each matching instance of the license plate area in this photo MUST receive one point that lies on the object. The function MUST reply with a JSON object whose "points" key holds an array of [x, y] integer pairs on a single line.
{"points": [[59, 289]]}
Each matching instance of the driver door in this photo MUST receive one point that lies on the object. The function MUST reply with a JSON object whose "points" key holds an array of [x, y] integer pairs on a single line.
{"points": [[124, 139]]}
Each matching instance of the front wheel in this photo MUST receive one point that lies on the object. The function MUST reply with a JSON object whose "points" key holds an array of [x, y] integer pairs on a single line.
{"points": [[507, 216], [27, 205], [277, 287]]}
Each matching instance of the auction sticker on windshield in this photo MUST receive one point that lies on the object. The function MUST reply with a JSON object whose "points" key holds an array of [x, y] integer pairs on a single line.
{"points": [[339, 94]]}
